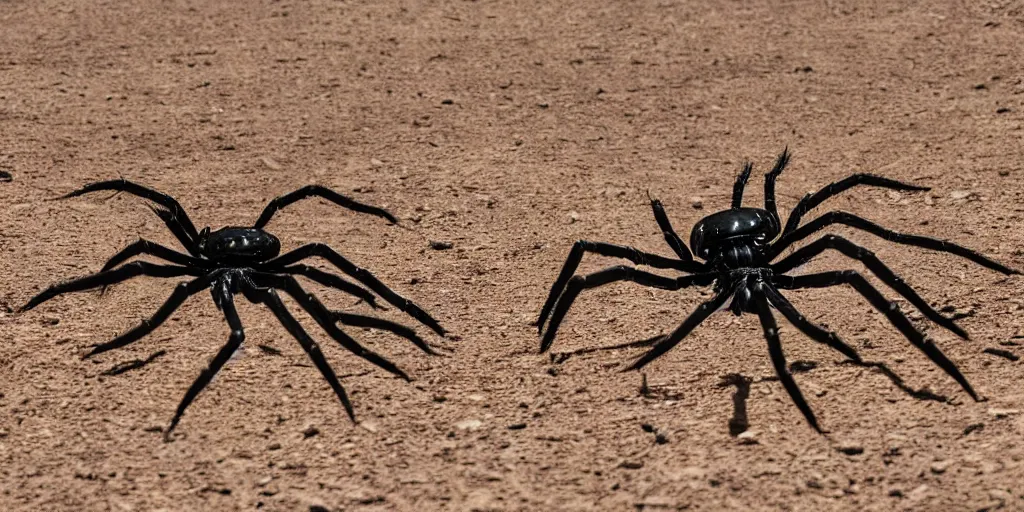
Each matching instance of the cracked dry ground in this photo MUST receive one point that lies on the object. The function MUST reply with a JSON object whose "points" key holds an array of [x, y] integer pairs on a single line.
{"points": [[506, 129]]}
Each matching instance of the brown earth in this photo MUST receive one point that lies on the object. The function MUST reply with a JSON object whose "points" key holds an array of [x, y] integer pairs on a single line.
{"points": [[510, 129]]}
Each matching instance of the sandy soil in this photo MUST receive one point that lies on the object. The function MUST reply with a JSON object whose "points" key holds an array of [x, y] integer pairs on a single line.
{"points": [[509, 129]]}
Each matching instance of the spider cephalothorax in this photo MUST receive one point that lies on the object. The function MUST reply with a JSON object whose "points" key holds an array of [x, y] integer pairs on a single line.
{"points": [[739, 247], [247, 260]]}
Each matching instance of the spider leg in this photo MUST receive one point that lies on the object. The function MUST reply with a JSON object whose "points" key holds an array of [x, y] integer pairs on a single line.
{"points": [[610, 275], [109, 277], [181, 292], [769, 185], [323, 317], [333, 281], [890, 309], [810, 201], [270, 298], [384, 325], [325, 193], [741, 183], [360, 274], [875, 265], [177, 230], [849, 219], [671, 237], [177, 213], [143, 246], [812, 330], [771, 333], [615, 251], [227, 304], [703, 311]]}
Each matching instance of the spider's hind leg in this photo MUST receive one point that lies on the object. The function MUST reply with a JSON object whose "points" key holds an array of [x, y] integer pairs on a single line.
{"points": [[323, 317], [384, 325], [771, 333], [703, 311], [891, 311], [109, 277], [181, 292], [812, 330], [269, 297], [875, 265], [360, 274]]}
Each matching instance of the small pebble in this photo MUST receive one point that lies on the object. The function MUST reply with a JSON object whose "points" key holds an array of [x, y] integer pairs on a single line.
{"points": [[697, 202], [941, 466], [1002, 413], [574, 217], [631, 464], [850, 448], [470, 425], [440, 245], [309, 432], [748, 437]]}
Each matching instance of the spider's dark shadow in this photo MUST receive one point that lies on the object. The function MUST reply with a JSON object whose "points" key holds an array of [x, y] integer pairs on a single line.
{"points": [[561, 357], [740, 422], [134, 364]]}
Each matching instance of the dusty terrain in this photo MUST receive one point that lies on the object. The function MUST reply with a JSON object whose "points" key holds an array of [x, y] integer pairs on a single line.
{"points": [[509, 129]]}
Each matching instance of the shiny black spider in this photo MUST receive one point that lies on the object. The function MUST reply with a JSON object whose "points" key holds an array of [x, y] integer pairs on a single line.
{"points": [[738, 246], [246, 260]]}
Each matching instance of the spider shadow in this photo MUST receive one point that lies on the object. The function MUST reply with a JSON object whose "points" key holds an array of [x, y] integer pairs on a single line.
{"points": [[740, 421]]}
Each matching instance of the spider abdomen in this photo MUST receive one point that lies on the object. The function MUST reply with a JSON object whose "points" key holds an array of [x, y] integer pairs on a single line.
{"points": [[242, 245]]}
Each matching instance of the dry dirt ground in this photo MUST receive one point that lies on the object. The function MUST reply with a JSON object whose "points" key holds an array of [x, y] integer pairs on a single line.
{"points": [[509, 129]]}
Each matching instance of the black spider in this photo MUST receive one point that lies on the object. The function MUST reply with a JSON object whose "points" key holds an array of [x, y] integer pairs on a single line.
{"points": [[245, 260], [738, 246]]}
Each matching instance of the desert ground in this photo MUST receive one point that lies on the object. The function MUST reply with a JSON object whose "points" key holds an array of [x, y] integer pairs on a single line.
{"points": [[499, 132]]}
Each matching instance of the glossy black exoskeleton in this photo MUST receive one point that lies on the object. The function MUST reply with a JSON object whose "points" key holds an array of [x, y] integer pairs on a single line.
{"points": [[247, 260], [237, 246], [739, 247]]}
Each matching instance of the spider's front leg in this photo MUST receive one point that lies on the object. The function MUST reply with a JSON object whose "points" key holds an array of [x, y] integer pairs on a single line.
{"points": [[172, 214], [324, 193], [143, 246], [671, 237], [810, 201], [609, 275], [616, 251]]}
